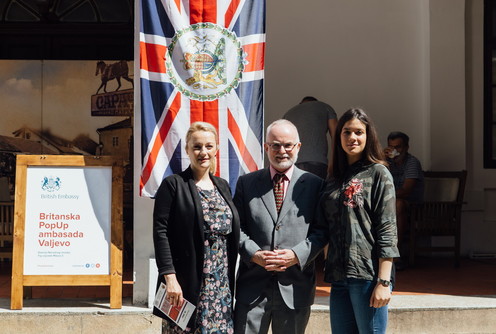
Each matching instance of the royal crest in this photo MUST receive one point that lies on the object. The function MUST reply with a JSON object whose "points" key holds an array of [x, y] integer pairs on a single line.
{"points": [[51, 183], [205, 61], [208, 66]]}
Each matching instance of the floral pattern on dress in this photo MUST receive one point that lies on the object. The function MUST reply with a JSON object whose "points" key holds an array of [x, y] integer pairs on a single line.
{"points": [[214, 309]]}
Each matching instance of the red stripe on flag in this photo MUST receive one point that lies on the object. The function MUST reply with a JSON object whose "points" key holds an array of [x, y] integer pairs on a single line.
{"points": [[159, 140], [152, 57], [206, 112], [231, 10], [202, 11], [196, 111], [211, 115], [238, 138], [255, 56]]}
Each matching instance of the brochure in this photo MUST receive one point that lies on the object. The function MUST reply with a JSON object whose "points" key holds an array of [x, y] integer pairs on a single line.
{"points": [[179, 314]]}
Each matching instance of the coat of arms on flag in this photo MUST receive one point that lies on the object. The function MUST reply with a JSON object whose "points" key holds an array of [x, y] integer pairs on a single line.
{"points": [[201, 60]]}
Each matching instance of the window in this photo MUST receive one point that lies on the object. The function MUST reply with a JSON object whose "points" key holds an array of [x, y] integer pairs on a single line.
{"points": [[115, 141], [66, 29], [66, 11], [489, 84]]}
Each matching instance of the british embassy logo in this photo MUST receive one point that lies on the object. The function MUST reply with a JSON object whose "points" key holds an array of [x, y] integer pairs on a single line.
{"points": [[51, 183]]}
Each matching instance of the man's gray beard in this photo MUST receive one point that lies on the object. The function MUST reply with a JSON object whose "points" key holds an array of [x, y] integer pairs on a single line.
{"points": [[287, 164]]}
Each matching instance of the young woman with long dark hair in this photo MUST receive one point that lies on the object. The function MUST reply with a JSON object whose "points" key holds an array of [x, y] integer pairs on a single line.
{"points": [[358, 205]]}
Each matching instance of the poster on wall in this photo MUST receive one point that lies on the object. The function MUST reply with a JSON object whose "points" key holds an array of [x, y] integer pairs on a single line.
{"points": [[67, 220], [59, 107], [53, 98]]}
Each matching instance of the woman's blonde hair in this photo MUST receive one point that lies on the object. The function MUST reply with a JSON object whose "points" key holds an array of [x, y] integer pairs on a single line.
{"points": [[207, 127]]}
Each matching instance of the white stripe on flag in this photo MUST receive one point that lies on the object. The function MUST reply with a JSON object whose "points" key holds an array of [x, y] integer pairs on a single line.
{"points": [[154, 39], [164, 155], [222, 6], [252, 76], [223, 154], [252, 39], [154, 76], [250, 139], [185, 121], [178, 18], [236, 14]]}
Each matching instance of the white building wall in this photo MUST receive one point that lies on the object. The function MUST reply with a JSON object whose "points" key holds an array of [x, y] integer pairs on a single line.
{"points": [[414, 65], [372, 54], [447, 86]]}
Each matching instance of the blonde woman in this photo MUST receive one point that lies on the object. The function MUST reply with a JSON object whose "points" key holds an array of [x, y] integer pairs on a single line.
{"points": [[196, 235]]}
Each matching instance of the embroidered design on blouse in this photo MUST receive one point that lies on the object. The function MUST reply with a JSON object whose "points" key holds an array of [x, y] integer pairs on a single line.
{"points": [[353, 193]]}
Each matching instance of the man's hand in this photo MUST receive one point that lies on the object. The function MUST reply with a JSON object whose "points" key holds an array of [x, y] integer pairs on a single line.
{"points": [[387, 151], [260, 257], [282, 260], [277, 260]]}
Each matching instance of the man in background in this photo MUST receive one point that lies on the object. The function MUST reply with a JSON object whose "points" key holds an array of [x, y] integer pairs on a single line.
{"points": [[408, 180], [313, 119]]}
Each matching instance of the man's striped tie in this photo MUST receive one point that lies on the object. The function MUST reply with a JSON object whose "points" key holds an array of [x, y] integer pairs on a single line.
{"points": [[279, 190]]}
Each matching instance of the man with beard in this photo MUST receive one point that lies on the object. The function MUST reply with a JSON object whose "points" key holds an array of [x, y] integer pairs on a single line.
{"points": [[409, 184], [276, 205]]}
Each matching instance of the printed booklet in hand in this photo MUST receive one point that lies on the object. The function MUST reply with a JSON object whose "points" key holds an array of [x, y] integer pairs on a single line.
{"points": [[179, 314]]}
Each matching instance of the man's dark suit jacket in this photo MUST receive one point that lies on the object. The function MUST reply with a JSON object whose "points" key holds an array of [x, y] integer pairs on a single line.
{"points": [[178, 233]]}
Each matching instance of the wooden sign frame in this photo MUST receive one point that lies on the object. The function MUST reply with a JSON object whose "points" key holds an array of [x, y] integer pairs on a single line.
{"points": [[114, 278]]}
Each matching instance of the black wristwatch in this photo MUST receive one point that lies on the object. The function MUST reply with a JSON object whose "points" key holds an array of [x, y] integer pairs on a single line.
{"points": [[383, 282]]}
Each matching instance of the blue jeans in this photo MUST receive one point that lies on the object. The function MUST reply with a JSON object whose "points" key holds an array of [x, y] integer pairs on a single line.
{"points": [[350, 310]]}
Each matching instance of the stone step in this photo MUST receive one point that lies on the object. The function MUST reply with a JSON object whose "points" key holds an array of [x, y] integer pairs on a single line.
{"points": [[61, 316], [424, 314], [408, 314]]}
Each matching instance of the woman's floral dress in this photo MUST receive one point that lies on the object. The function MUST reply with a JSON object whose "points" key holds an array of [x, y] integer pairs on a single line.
{"points": [[214, 311]]}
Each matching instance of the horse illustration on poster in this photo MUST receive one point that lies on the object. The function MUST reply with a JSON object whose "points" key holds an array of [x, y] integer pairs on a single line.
{"points": [[112, 71]]}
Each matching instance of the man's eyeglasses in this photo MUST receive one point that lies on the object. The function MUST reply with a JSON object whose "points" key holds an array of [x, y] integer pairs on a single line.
{"points": [[276, 147]]}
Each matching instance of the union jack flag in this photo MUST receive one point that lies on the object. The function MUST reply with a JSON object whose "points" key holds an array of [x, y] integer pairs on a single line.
{"points": [[201, 60]]}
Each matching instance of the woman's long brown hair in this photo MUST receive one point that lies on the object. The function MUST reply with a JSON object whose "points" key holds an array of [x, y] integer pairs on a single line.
{"points": [[372, 153]]}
